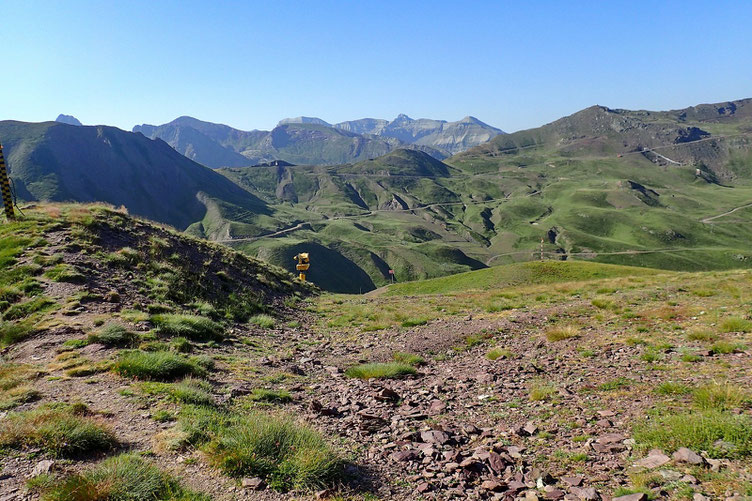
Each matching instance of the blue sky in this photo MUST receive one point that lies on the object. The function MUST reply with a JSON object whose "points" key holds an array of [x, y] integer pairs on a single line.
{"points": [[514, 65]]}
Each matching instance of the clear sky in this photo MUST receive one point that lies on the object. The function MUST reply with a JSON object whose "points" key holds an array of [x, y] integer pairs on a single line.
{"points": [[248, 64]]}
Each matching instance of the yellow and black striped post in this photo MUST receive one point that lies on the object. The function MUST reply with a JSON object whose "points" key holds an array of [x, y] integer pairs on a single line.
{"points": [[5, 186]]}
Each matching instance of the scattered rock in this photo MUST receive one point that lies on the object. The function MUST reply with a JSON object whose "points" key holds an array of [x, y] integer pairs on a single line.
{"points": [[655, 459], [585, 493], [688, 456], [254, 483], [42, 467], [435, 437], [639, 496]]}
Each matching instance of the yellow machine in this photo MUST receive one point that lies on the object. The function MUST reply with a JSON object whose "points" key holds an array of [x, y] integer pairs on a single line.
{"points": [[5, 187], [303, 264]]}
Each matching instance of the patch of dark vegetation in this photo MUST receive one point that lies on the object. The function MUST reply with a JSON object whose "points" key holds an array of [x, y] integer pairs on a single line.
{"points": [[156, 365]]}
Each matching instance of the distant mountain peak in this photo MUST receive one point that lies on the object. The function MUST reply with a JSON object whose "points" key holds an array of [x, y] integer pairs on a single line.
{"points": [[403, 118], [68, 119], [303, 120]]}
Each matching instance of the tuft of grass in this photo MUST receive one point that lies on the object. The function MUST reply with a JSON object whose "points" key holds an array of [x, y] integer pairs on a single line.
{"points": [[126, 477], [181, 345], [724, 347], [720, 396], [13, 332], [736, 324], [270, 396], [62, 430], [698, 431], [561, 333], [380, 370], [704, 335], [193, 327], [156, 365], [263, 320], [114, 334], [286, 454], [650, 355], [540, 392], [672, 388], [64, 273], [409, 359], [497, 353], [414, 322], [615, 384], [14, 387]]}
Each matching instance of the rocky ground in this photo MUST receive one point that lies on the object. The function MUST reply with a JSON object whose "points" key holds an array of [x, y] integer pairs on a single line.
{"points": [[528, 393]]}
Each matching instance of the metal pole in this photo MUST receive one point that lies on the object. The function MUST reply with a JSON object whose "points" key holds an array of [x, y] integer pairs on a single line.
{"points": [[5, 186]]}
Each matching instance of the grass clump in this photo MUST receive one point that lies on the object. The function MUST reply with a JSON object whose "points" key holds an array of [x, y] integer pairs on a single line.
{"points": [[277, 449], [540, 392], [720, 396], [62, 430], [126, 477], [380, 370], [64, 273], [14, 389], [181, 345], [615, 384], [156, 365], [736, 324], [13, 332], [188, 391], [414, 322], [114, 334], [702, 335], [271, 396], [263, 320], [724, 347], [672, 388], [561, 333], [698, 431], [409, 359], [193, 327], [497, 353]]}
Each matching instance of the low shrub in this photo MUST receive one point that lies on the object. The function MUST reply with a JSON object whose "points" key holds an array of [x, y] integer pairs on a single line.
{"points": [[380, 370], [61, 430], [156, 365]]}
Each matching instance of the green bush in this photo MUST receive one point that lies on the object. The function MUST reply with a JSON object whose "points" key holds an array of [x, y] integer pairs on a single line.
{"points": [[156, 365], [262, 320], [181, 345], [698, 431], [126, 477], [188, 326], [286, 454], [114, 334], [377, 370], [61, 430], [672, 388]]}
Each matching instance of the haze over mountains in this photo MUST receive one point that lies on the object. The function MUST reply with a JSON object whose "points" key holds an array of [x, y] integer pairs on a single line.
{"points": [[312, 141], [665, 189]]}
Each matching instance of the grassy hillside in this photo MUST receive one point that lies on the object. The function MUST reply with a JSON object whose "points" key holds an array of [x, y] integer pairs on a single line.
{"points": [[664, 190], [516, 275]]}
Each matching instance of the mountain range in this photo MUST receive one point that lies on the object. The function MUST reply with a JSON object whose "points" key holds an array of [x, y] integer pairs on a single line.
{"points": [[665, 189], [312, 141]]}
